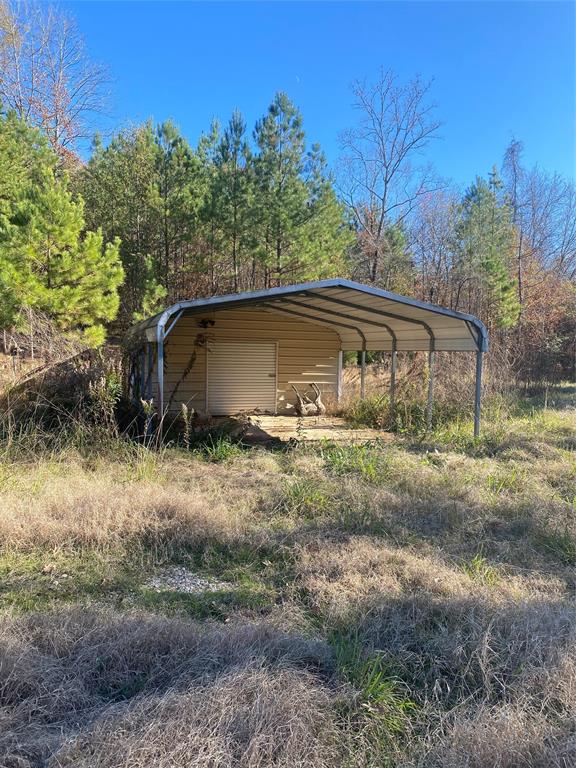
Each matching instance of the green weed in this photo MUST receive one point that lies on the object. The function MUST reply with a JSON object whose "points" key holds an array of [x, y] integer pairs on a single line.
{"points": [[372, 411], [306, 498], [36, 580], [381, 711], [561, 545], [369, 461], [480, 570], [40, 580], [212, 604], [508, 478], [219, 449]]}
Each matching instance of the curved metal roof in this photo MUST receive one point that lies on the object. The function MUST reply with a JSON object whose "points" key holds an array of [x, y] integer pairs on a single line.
{"points": [[363, 316]]}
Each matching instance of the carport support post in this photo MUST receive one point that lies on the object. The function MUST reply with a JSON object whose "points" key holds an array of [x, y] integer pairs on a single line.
{"points": [[142, 359], [478, 394], [430, 407], [393, 381], [150, 369], [160, 374], [363, 373]]}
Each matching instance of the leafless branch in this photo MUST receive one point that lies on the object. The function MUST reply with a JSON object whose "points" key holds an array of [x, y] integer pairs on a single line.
{"points": [[382, 175], [46, 76]]}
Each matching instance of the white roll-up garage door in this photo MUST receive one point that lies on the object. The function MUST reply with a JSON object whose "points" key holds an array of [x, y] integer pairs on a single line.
{"points": [[241, 376]]}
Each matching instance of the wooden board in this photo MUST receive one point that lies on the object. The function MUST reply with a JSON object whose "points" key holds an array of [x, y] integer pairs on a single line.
{"points": [[311, 429]]}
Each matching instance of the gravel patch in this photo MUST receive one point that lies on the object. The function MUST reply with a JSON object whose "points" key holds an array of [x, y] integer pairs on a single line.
{"points": [[180, 579]]}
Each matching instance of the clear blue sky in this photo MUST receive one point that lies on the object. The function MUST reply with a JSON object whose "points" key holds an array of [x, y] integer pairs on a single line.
{"points": [[500, 69]]}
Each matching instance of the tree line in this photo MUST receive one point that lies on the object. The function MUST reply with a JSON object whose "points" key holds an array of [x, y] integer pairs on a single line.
{"points": [[150, 219], [236, 212]]}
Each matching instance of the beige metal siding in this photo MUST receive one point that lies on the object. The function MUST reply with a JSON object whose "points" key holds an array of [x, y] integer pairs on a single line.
{"points": [[241, 376], [306, 353]]}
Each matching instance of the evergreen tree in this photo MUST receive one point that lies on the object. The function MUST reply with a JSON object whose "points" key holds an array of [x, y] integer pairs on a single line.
{"points": [[24, 154], [216, 218], [177, 198], [485, 245], [299, 223], [118, 186], [233, 194], [210, 235], [398, 267], [24, 161], [47, 261], [326, 234]]}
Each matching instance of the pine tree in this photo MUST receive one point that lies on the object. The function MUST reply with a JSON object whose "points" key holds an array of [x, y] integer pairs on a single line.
{"points": [[47, 261], [485, 244], [118, 186], [177, 198], [209, 232], [326, 234], [233, 191], [281, 192], [300, 229]]}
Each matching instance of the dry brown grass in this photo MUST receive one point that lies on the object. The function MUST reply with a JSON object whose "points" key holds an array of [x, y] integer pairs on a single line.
{"points": [[534, 725], [454, 375], [345, 579], [453, 632], [511, 508], [173, 503], [252, 717], [508, 737], [489, 656], [443, 571], [101, 515], [94, 688]]}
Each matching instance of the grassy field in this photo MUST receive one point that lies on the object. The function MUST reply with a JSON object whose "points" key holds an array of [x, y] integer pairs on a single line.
{"points": [[398, 604]]}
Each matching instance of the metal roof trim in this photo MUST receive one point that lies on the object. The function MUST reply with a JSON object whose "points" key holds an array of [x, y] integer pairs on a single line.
{"points": [[253, 297]]}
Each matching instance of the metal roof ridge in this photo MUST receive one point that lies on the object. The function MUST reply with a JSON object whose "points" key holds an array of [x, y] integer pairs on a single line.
{"points": [[214, 301]]}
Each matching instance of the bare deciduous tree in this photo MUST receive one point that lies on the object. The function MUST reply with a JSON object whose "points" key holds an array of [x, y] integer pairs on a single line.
{"points": [[382, 172], [512, 167], [45, 74], [431, 241], [550, 220], [544, 214]]}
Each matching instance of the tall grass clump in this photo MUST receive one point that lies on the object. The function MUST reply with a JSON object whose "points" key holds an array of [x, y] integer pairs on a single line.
{"points": [[218, 448], [454, 385], [409, 415], [98, 688], [379, 720], [370, 460]]}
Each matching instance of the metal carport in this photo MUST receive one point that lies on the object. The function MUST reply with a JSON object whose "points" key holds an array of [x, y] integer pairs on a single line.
{"points": [[364, 317]]}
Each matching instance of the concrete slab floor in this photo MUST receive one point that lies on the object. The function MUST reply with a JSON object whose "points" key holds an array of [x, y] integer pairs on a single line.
{"points": [[263, 428]]}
